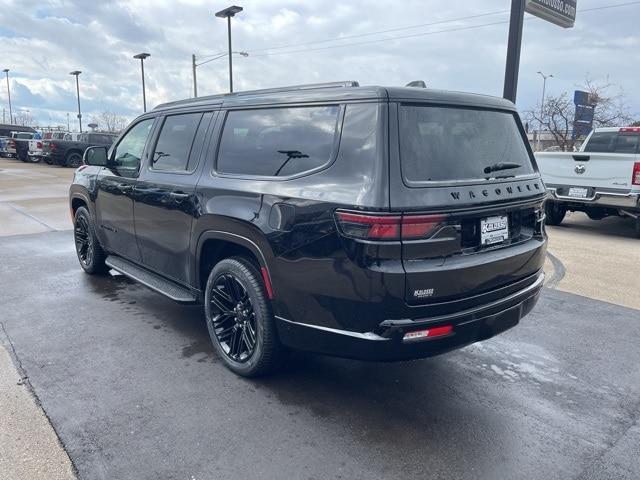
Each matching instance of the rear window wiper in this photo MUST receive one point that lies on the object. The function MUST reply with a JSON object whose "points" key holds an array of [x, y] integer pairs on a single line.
{"points": [[501, 166]]}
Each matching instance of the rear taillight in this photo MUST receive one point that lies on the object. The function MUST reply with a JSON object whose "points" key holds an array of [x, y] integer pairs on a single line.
{"points": [[52, 146], [39, 145], [369, 226], [635, 178], [12, 144]]}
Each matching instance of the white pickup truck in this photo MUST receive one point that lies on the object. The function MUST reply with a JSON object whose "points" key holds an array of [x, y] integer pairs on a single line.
{"points": [[602, 179]]}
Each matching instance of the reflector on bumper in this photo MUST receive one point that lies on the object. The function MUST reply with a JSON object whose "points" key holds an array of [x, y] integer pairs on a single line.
{"points": [[427, 333]]}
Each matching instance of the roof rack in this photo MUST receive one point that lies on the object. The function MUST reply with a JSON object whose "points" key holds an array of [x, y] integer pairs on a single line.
{"points": [[293, 88]]}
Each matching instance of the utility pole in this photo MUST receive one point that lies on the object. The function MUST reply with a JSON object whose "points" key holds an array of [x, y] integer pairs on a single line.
{"points": [[6, 71], [544, 91], [68, 124], [77, 73], [195, 82], [513, 50]]}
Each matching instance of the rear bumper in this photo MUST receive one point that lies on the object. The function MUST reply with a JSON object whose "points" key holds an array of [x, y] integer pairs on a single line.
{"points": [[598, 198], [387, 344]]}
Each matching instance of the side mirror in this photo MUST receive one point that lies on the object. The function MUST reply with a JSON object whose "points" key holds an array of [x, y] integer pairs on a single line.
{"points": [[95, 156]]}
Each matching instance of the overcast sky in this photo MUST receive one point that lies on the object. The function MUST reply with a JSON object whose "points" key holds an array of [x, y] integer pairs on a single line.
{"points": [[42, 41]]}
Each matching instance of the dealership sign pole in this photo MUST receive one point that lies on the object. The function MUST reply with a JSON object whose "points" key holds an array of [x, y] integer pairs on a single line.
{"points": [[559, 12]]}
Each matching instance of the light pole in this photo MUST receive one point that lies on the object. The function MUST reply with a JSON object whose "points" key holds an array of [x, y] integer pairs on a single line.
{"points": [[6, 71], [142, 56], [76, 73], [194, 65], [544, 91], [228, 13]]}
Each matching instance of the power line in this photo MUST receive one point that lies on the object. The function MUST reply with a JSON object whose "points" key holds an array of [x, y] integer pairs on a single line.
{"points": [[346, 37], [422, 34], [409, 27], [402, 37]]}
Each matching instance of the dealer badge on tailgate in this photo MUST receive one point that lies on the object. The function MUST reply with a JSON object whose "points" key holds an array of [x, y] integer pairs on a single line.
{"points": [[494, 230]]}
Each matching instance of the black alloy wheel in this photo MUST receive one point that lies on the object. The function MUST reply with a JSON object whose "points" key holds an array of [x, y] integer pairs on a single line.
{"points": [[234, 322], [239, 318], [84, 242], [90, 253]]}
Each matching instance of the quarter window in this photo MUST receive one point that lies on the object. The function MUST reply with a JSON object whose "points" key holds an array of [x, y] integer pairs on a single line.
{"points": [[277, 142], [129, 151], [175, 142]]}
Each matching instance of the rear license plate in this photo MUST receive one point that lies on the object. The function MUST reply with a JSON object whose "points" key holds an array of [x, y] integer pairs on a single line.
{"points": [[494, 230], [578, 192]]}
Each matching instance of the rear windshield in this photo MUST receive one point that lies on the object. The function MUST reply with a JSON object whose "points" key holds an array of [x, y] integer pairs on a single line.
{"points": [[441, 144], [613, 142]]}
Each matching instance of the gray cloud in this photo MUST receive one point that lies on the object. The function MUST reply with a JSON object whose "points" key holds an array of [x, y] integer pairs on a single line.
{"points": [[43, 41]]}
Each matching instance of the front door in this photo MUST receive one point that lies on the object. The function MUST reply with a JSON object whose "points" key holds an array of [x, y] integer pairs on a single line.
{"points": [[114, 193], [165, 200]]}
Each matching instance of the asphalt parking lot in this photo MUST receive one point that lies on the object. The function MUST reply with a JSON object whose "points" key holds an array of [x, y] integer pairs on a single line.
{"points": [[133, 389]]}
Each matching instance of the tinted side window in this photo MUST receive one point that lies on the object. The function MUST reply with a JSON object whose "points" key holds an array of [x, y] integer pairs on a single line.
{"points": [[277, 141], [129, 151], [175, 142]]}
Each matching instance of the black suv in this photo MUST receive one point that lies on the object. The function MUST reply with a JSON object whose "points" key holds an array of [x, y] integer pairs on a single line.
{"points": [[365, 222]]}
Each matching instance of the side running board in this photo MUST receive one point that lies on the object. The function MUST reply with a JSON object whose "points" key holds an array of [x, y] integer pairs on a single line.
{"points": [[151, 280]]}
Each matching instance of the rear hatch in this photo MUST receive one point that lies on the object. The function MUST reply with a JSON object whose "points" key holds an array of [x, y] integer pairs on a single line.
{"points": [[471, 203], [607, 162]]}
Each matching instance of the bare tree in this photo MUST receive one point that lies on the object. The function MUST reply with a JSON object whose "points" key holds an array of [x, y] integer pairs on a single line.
{"points": [[558, 112], [109, 121], [24, 118]]}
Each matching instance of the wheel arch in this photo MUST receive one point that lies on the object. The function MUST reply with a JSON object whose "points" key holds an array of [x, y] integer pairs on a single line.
{"points": [[214, 245], [79, 198]]}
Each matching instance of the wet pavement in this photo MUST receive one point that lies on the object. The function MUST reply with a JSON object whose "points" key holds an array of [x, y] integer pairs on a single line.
{"points": [[134, 390]]}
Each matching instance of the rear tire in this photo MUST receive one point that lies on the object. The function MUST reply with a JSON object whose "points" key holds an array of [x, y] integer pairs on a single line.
{"points": [[555, 213], [90, 253], [637, 227], [239, 318], [74, 160]]}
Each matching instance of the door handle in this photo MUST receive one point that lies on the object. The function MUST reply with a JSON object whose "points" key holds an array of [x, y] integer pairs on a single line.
{"points": [[125, 187], [179, 195]]}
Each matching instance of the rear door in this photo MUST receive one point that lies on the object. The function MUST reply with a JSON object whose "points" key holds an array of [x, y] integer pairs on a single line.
{"points": [[466, 184], [165, 201]]}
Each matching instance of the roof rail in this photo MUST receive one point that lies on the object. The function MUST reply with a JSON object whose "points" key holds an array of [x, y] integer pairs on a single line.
{"points": [[308, 86], [293, 88]]}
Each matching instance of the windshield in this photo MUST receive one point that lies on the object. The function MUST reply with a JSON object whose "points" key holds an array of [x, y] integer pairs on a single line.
{"points": [[440, 144]]}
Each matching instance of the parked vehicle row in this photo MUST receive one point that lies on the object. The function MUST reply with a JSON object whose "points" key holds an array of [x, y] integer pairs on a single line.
{"points": [[54, 148], [601, 180]]}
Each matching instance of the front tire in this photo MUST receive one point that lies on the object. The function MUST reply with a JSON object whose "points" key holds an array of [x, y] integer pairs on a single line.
{"points": [[90, 253], [555, 213], [239, 318], [74, 160]]}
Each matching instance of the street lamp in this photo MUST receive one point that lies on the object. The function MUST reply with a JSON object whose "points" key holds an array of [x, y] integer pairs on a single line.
{"points": [[544, 90], [194, 65], [142, 56], [6, 71], [76, 73], [228, 13]]}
